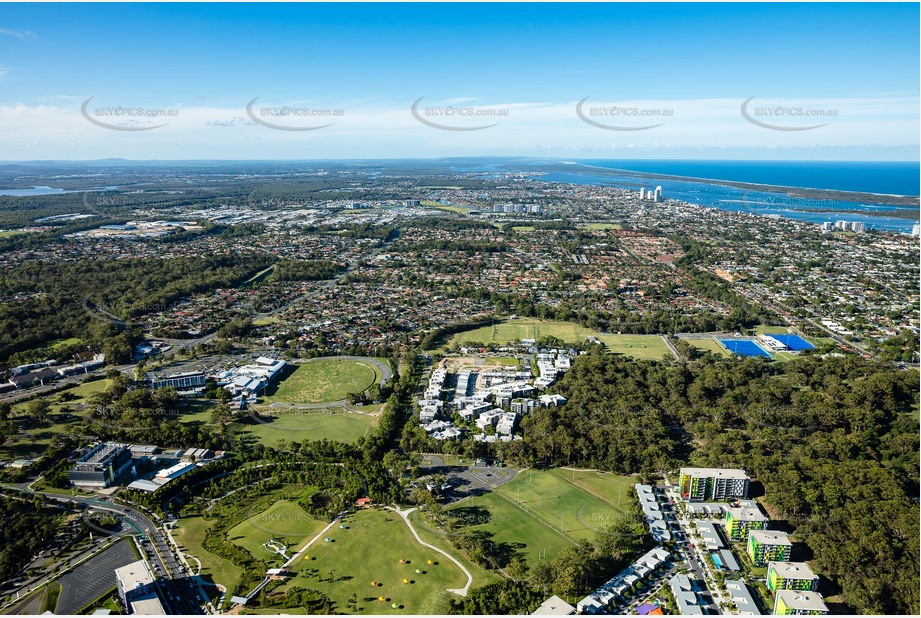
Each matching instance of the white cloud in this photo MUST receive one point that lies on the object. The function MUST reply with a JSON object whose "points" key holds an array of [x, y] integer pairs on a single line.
{"points": [[19, 34], [56, 129]]}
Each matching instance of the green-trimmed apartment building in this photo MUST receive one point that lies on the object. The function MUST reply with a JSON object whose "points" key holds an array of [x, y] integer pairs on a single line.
{"points": [[768, 546], [742, 519], [791, 576], [712, 484], [799, 603]]}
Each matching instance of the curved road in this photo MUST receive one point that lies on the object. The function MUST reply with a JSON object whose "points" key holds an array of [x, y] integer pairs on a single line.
{"points": [[459, 591], [179, 598]]}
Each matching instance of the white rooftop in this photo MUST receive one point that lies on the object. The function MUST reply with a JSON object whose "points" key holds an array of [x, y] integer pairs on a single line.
{"points": [[134, 575], [147, 605], [747, 514], [792, 570], [724, 473], [770, 537], [802, 600], [554, 606]]}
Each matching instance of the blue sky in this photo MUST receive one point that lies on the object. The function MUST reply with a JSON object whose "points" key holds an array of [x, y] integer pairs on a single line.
{"points": [[662, 80]]}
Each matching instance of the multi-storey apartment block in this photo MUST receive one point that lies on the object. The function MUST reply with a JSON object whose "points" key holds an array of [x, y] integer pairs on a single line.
{"points": [[768, 545], [799, 603], [791, 576], [702, 484], [741, 519]]}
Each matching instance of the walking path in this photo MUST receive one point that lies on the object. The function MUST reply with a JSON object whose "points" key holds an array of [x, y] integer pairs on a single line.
{"points": [[671, 347], [405, 515], [290, 561]]}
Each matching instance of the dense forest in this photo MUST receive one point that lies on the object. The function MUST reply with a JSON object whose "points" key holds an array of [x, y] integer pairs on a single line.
{"points": [[47, 301], [833, 441], [28, 526], [305, 270]]}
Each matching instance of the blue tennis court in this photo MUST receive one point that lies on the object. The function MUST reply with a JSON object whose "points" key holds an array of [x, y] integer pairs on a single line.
{"points": [[794, 342], [744, 347]]}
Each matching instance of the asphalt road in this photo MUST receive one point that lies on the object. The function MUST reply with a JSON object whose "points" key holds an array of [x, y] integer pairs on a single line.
{"points": [[180, 595], [14, 396]]}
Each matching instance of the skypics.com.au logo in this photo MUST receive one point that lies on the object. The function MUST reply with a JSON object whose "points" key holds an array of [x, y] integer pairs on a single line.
{"points": [[785, 117], [290, 117], [126, 118], [454, 117], [621, 117]]}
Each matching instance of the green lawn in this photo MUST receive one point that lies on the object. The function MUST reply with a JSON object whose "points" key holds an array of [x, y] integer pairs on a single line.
{"points": [[771, 330], [781, 356], [709, 345], [313, 425], [461, 210], [612, 489], [196, 411], [513, 526], [432, 534], [86, 389], [543, 512], [215, 570], [640, 347], [61, 343], [322, 380], [80, 392], [523, 328], [370, 549], [602, 226], [36, 438], [284, 521]]}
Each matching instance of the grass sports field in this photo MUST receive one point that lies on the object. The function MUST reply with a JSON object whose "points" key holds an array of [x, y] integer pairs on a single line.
{"points": [[214, 569], [640, 347], [461, 210], [333, 425], [524, 328], [284, 521], [323, 381], [370, 550], [771, 330], [602, 226], [709, 345], [543, 512]]}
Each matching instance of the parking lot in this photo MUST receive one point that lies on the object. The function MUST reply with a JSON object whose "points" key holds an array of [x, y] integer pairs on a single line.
{"points": [[467, 480], [93, 578]]}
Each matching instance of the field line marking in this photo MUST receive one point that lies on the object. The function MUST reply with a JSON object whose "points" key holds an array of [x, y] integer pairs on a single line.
{"points": [[538, 518]]}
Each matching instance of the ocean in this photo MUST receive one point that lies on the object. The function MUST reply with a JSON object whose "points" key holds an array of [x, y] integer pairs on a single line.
{"points": [[895, 178], [888, 178]]}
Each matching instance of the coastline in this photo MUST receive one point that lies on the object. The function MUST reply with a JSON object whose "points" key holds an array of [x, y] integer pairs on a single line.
{"points": [[906, 201]]}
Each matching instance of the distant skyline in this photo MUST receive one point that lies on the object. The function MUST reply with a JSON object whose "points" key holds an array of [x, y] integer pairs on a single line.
{"points": [[573, 81]]}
